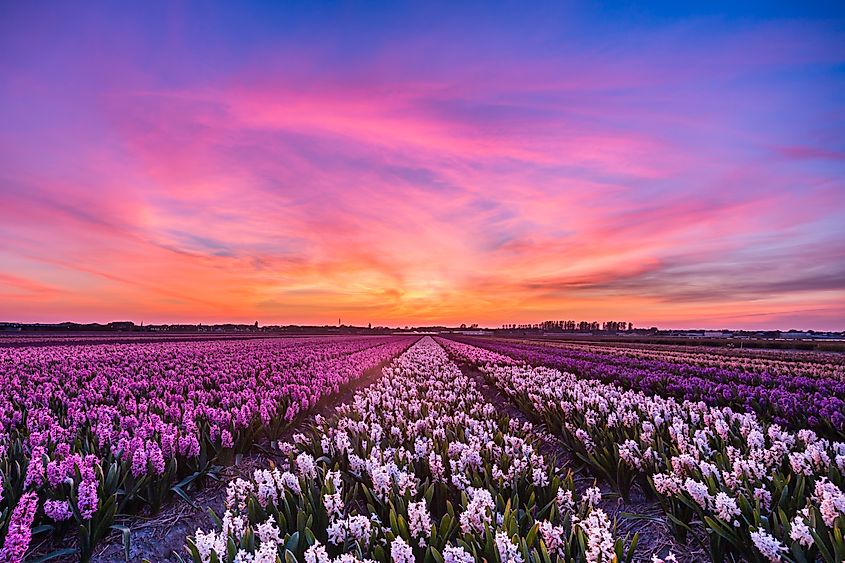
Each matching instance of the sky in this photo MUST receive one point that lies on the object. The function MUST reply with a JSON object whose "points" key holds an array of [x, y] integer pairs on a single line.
{"points": [[669, 164]]}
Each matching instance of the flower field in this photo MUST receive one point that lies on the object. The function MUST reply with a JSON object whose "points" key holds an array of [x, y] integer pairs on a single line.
{"points": [[89, 432], [761, 492], [776, 390], [416, 468], [419, 465]]}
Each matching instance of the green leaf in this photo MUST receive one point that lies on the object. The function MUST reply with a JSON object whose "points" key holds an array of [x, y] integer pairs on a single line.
{"points": [[679, 522], [187, 480], [42, 528], [309, 538], [214, 518], [292, 542], [126, 534], [532, 534], [403, 528], [231, 549], [179, 491], [192, 549], [720, 529], [633, 547], [634, 516]]}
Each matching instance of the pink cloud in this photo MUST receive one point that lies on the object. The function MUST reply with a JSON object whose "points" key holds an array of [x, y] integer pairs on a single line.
{"points": [[602, 181]]}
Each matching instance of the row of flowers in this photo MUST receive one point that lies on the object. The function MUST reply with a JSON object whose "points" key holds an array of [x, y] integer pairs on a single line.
{"points": [[761, 492], [417, 467], [822, 366], [90, 432], [780, 398], [18, 340], [784, 355]]}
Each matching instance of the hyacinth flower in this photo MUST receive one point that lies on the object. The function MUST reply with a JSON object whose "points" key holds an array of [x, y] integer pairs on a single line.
{"points": [[780, 395], [111, 429], [417, 467], [761, 492], [19, 532]]}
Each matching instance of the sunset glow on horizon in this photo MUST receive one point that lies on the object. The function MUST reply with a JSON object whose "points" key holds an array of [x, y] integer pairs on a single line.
{"points": [[406, 166]]}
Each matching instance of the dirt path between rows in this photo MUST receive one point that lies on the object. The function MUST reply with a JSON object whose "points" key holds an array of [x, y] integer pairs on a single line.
{"points": [[639, 515]]}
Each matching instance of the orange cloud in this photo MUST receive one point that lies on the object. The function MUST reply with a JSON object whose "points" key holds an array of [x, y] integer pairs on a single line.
{"points": [[419, 182]]}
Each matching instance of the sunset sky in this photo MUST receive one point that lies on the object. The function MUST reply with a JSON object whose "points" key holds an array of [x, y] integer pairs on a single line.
{"points": [[678, 165]]}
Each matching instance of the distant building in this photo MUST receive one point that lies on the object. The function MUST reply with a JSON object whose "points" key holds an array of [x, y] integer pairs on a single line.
{"points": [[717, 334], [798, 335]]}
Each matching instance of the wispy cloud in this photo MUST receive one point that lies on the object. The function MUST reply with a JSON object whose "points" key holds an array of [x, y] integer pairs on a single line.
{"points": [[681, 172]]}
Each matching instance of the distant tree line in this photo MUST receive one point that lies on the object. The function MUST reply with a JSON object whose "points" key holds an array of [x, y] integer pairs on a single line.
{"points": [[572, 326]]}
